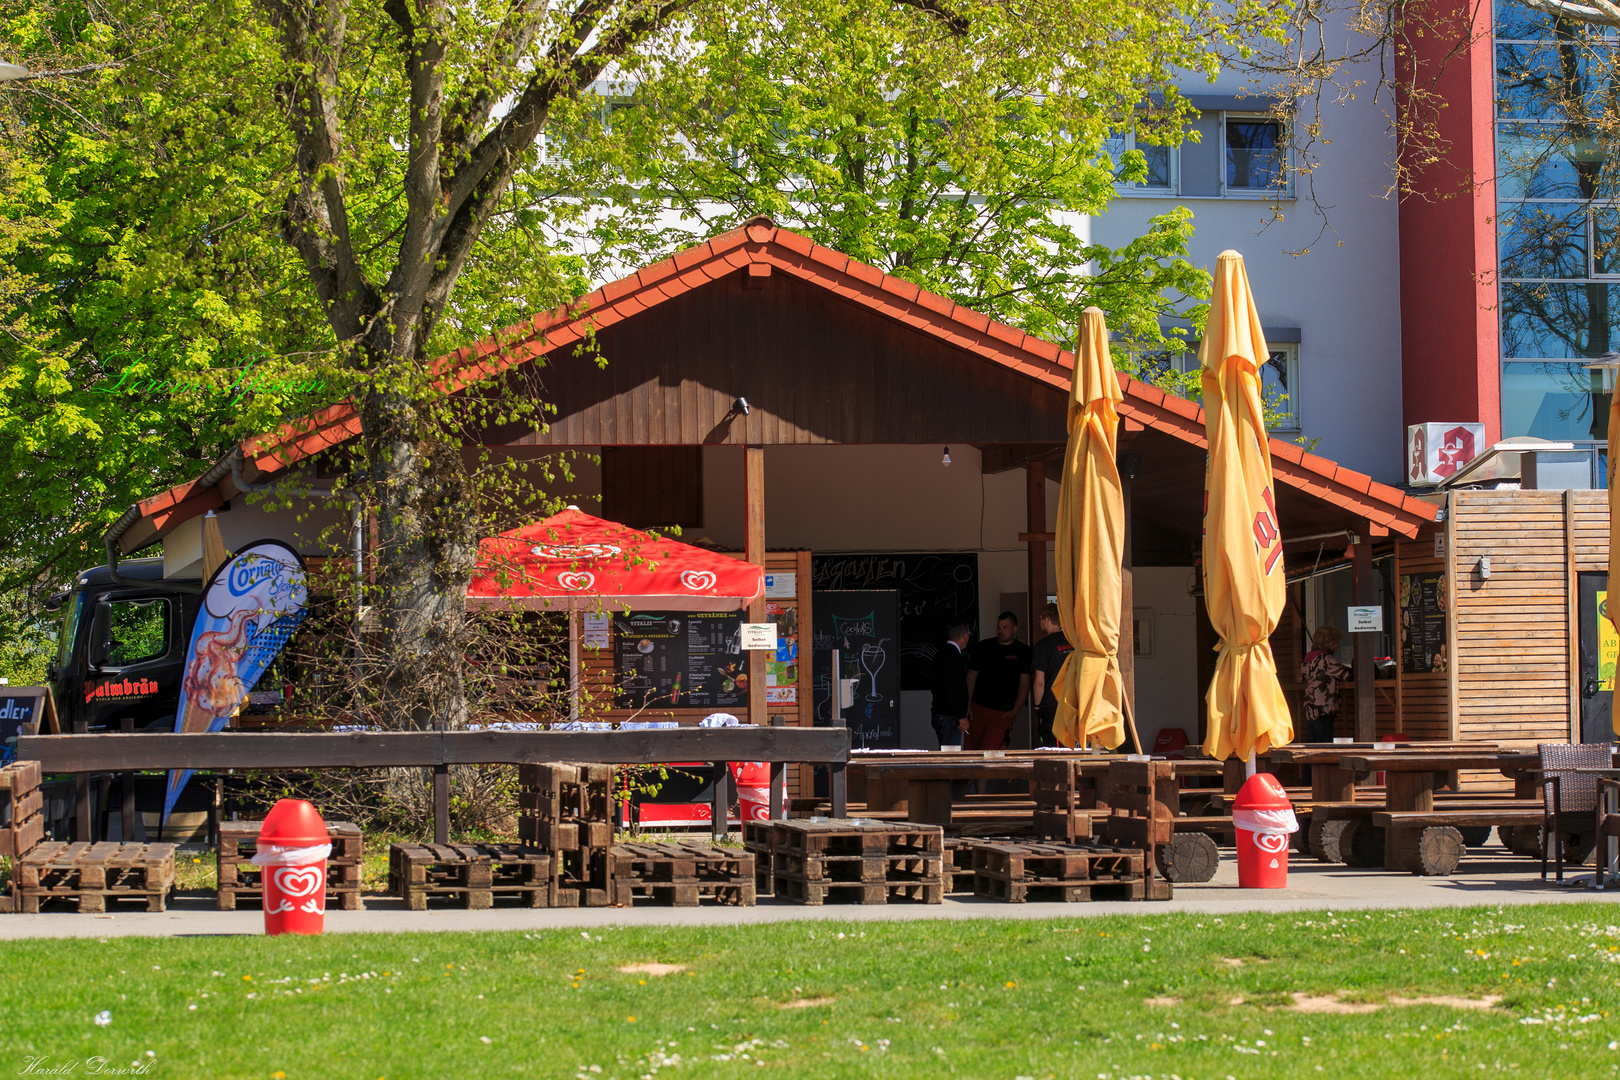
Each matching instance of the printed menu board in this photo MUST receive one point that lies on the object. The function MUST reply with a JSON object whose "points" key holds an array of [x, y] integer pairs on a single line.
{"points": [[1423, 622], [680, 659], [782, 670]]}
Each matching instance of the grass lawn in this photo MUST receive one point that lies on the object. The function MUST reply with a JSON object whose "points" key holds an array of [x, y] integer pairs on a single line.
{"points": [[1153, 996]]}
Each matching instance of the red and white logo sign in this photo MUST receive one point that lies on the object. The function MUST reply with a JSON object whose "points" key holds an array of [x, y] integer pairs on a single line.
{"points": [[575, 552], [299, 881], [576, 580], [1436, 451], [698, 580], [1274, 842]]}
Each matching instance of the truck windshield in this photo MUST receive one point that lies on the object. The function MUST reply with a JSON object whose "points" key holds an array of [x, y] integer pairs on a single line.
{"points": [[70, 628]]}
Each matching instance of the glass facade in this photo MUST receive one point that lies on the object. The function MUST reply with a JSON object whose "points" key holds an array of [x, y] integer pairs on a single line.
{"points": [[1558, 230]]}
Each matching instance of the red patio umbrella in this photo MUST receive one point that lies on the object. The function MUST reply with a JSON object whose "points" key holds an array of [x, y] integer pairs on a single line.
{"points": [[575, 562]]}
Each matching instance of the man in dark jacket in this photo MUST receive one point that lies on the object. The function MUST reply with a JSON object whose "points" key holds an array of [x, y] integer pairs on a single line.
{"points": [[950, 685]]}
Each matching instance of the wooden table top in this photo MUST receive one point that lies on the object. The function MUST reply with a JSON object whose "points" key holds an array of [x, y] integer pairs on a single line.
{"points": [[1330, 753], [1438, 761], [946, 765]]}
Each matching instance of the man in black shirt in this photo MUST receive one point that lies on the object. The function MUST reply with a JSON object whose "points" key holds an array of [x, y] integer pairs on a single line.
{"points": [[950, 685], [998, 685], [1049, 654]]}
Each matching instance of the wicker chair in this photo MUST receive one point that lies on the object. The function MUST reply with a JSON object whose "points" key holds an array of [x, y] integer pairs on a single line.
{"points": [[1568, 796]]}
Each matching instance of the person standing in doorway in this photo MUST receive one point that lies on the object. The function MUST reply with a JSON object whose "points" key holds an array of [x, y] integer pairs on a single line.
{"points": [[1049, 653], [998, 685], [950, 685], [1322, 673]]}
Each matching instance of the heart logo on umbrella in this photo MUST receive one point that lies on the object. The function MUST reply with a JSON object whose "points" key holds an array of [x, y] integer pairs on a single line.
{"points": [[298, 881], [1273, 842], [698, 580], [576, 581]]}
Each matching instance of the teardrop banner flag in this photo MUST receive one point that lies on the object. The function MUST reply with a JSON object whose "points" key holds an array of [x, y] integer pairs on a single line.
{"points": [[250, 607]]}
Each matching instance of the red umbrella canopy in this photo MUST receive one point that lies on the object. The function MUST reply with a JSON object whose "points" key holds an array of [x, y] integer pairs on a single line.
{"points": [[575, 562]]}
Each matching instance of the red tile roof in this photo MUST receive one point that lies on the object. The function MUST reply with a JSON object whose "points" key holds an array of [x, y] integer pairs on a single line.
{"points": [[762, 242]]}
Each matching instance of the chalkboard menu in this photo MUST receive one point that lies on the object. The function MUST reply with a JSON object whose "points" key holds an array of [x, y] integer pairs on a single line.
{"points": [[1423, 622], [935, 589], [23, 710], [680, 659], [863, 626]]}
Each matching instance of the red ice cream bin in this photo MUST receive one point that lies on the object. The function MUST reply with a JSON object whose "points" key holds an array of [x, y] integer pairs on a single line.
{"points": [[1264, 818], [293, 847]]}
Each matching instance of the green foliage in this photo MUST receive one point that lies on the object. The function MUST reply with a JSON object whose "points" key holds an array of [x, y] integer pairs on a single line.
{"points": [[843, 121]]}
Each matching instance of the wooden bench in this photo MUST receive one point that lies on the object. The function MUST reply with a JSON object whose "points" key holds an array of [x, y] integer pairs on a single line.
{"points": [[1431, 842]]}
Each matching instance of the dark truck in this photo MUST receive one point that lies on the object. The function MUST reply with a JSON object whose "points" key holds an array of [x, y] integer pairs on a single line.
{"points": [[123, 647]]}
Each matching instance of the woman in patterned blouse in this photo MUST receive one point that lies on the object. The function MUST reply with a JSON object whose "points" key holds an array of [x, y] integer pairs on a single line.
{"points": [[1322, 672]]}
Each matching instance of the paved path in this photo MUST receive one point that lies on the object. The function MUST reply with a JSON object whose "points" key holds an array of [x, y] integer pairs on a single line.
{"points": [[1485, 880]]}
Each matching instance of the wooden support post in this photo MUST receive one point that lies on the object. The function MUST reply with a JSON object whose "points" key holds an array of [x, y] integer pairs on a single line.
{"points": [[1129, 464], [1572, 615], [1035, 509], [754, 533], [1365, 643], [81, 793], [126, 790], [441, 804], [778, 778], [838, 786], [720, 803]]}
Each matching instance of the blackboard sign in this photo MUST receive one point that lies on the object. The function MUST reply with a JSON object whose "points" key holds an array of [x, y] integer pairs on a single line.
{"points": [[864, 626], [935, 589], [23, 709], [684, 659], [1423, 622]]}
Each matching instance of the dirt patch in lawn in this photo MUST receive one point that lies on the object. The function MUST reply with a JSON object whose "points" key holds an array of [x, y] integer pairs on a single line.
{"points": [[1162, 1002], [656, 970], [1335, 1003], [805, 1003]]}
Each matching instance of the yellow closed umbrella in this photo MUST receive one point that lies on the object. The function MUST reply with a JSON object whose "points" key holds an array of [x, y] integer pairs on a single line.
{"points": [[1090, 543], [1243, 566]]}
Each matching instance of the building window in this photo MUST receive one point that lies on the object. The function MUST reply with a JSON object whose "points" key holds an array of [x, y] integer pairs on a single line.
{"points": [[1256, 155], [1279, 385], [1162, 165]]}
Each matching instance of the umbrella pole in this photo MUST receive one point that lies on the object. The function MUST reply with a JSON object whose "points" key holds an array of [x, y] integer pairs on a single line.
{"points": [[1130, 722], [1249, 767], [573, 665]]}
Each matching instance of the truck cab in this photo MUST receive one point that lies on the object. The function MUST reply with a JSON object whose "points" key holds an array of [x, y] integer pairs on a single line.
{"points": [[122, 647]]}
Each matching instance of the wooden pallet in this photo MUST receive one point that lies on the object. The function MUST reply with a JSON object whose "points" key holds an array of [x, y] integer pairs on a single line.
{"points": [[1016, 873], [757, 841], [681, 874], [842, 836], [95, 874], [240, 881], [1143, 800], [472, 876], [583, 878], [958, 863], [565, 806], [22, 823]]}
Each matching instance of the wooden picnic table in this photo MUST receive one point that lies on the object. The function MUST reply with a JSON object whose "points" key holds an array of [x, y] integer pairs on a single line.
{"points": [[1331, 782], [1413, 836], [927, 781]]}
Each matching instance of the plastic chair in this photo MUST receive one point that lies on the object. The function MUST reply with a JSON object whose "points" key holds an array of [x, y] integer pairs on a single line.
{"points": [[1565, 793]]}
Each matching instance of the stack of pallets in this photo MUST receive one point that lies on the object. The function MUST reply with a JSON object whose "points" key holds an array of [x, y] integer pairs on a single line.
{"points": [[831, 860], [94, 875], [22, 825], [240, 880], [757, 841], [471, 876], [1065, 801], [679, 874], [1019, 872], [1143, 798], [567, 809]]}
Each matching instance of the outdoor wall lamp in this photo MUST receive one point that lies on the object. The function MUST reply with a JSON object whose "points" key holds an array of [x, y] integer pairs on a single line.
{"points": [[740, 406], [1485, 567], [946, 460]]}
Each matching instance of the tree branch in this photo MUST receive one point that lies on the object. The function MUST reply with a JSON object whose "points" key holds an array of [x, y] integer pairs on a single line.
{"points": [[424, 72], [1601, 12], [63, 73], [315, 219]]}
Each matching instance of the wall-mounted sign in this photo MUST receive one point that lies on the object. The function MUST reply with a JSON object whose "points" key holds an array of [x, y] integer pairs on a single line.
{"points": [[759, 635], [1439, 545], [1366, 620], [1435, 451], [781, 586], [596, 631], [1423, 622]]}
